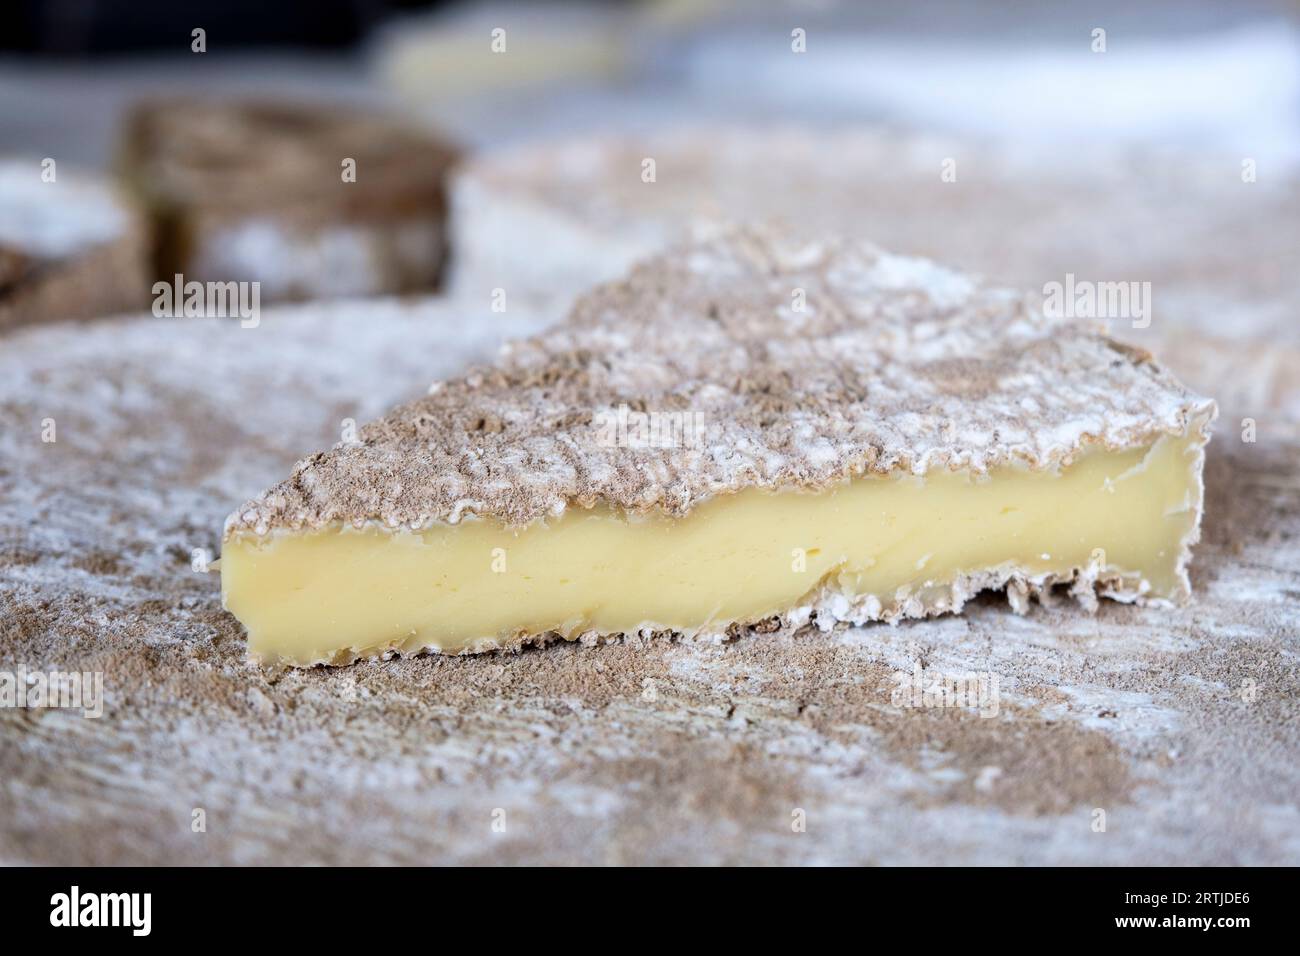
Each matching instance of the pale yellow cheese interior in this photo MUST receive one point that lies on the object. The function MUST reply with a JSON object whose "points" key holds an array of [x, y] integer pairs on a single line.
{"points": [[334, 593]]}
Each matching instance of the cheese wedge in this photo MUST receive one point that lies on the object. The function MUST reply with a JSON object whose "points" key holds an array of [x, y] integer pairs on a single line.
{"points": [[746, 429]]}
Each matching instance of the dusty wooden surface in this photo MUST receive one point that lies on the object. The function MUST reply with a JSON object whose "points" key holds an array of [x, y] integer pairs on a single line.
{"points": [[635, 752], [1183, 727]]}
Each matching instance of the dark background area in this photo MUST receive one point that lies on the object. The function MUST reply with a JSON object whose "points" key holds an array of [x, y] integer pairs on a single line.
{"points": [[110, 27]]}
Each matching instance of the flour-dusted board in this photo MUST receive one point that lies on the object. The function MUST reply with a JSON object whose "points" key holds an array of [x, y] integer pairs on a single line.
{"points": [[1182, 726]]}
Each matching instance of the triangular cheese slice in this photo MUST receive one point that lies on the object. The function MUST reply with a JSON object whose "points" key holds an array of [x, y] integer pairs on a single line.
{"points": [[744, 429]]}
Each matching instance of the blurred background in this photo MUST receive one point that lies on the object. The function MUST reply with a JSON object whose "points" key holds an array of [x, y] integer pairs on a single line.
{"points": [[1106, 139], [1218, 75]]}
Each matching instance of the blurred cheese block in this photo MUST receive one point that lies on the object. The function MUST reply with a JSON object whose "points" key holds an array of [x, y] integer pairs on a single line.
{"points": [[500, 47], [548, 219], [261, 191], [69, 249]]}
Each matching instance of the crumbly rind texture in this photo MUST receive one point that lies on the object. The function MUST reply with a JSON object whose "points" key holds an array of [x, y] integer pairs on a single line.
{"points": [[894, 365]]}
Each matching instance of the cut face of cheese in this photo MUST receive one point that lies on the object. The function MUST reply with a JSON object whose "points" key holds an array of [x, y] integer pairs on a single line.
{"points": [[875, 544], [746, 428]]}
